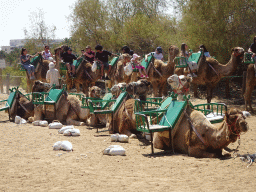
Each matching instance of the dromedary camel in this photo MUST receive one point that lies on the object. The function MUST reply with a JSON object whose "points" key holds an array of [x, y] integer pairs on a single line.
{"points": [[40, 73], [211, 71], [68, 108], [160, 71], [124, 120], [250, 84], [180, 84], [118, 74], [205, 140]]}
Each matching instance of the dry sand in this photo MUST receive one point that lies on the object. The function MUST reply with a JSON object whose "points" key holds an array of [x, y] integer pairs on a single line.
{"points": [[28, 163]]}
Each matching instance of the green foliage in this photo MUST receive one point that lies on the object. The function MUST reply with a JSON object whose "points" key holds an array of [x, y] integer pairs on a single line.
{"points": [[219, 25], [15, 71]]}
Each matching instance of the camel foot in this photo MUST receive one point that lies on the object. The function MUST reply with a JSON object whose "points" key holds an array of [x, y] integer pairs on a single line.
{"points": [[31, 119], [133, 136], [82, 123]]}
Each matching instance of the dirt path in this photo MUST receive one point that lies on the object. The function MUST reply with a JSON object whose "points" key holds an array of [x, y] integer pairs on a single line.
{"points": [[28, 163]]}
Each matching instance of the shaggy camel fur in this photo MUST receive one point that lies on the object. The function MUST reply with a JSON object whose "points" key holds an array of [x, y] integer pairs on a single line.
{"points": [[117, 73], [214, 137], [160, 71], [180, 84], [250, 84], [209, 77], [117, 89], [68, 108], [21, 107], [40, 73], [124, 119]]}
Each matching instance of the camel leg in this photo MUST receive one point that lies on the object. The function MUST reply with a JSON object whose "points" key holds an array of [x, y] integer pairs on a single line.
{"points": [[94, 121], [74, 122], [155, 88], [195, 151], [160, 142], [248, 98], [209, 95], [195, 90]]}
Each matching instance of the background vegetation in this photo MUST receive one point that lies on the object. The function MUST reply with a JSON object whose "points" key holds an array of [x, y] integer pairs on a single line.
{"points": [[145, 24]]}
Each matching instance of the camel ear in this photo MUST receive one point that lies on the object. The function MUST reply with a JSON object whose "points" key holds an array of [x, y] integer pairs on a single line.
{"points": [[37, 82], [227, 114], [232, 50]]}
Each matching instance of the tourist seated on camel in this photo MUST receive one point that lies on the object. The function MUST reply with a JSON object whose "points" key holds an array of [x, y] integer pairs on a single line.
{"points": [[206, 52], [135, 60], [88, 54], [25, 61], [186, 54], [252, 50], [158, 54], [102, 58], [68, 58], [46, 54], [53, 75], [125, 49]]}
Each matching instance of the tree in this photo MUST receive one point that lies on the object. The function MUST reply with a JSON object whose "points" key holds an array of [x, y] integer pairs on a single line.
{"points": [[39, 34], [220, 25]]}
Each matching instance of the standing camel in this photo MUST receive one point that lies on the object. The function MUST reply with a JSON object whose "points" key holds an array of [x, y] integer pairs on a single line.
{"points": [[211, 71], [40, 73], [250, 83], [160, 71]]}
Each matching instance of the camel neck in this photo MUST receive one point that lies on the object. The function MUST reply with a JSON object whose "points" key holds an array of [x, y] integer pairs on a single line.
{"points": [[229, 68]]}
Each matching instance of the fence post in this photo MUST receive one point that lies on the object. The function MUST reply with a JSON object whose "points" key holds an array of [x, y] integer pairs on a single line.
{"points": [[1, 81], [7, 82], [244, 83], [227, 88]]}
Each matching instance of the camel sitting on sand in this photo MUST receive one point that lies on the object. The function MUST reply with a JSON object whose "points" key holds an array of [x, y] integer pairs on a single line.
{"points": [[68, 108], [197, 137], [124, 120]]}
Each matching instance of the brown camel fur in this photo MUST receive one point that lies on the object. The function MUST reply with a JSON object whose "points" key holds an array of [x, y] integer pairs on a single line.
{"points": [[40, 74], [159, 80], [207, 76], [250, 83], [215, 137], [68, 108]]}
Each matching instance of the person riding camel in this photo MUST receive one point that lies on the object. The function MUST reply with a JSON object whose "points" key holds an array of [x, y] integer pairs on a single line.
{"points": [[88, 54], [68, 58], [46, 54], [53, 75], [25, 61], [102, 58], [135, 60], [158, 54], [252, 50], [191, 64]]}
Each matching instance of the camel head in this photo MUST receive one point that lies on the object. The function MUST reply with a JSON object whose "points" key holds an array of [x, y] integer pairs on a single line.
{"points": [[173, 51], [236, 123], [139, 88], [180, 84], [95, 92], [238, 52], [40, 86], [116, 89]]}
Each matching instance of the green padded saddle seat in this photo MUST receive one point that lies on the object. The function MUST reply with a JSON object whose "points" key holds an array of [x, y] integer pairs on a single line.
{"points": [[76, 63], [173, 113], [53, 96], [195, 57]]}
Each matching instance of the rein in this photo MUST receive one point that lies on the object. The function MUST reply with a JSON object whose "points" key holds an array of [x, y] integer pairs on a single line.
{"points": [[185, 90]]}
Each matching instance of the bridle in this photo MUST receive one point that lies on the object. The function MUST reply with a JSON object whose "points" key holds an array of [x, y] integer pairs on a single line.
{"points": [[235, 130], [184, 90]]}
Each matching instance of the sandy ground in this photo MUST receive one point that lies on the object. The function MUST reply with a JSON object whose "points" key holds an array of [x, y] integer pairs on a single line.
{"points": [[28, 163]]}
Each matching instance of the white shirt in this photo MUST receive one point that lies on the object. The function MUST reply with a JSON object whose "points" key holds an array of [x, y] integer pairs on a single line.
{"points": [[157, 56], [46, 55], [53, 76]]}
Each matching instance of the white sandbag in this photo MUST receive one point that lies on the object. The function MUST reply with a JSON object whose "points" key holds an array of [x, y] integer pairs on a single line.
{"points": [[66, 146], [55, 125], [94, 66], [61, 131], [57, 145], [128, 69], [246, 113], [36, 123], [19, 120], [43, 123], [62, 145], [114, 150], [123, 138], [114, 137], [72, 132]]}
